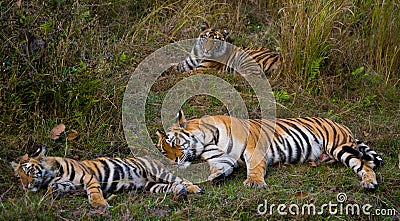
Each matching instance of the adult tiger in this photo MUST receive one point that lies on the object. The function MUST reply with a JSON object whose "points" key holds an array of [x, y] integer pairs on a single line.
{"points": [[223, 140], [96, 176], [211, 51]]}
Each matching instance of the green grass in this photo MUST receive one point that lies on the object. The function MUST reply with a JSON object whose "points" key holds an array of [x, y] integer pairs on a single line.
{"points": [[69, 62]]}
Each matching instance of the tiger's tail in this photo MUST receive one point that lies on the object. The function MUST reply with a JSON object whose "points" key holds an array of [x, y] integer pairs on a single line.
{"points": [[369, 155], [362, 160]]}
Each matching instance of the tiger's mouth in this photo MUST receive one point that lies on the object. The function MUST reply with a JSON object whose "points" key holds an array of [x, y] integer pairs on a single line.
{"points": [[210, 47], [31, 187]]}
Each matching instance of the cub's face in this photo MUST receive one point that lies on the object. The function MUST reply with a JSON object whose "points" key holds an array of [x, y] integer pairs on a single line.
{"points": [[211, 42], [30, 170]]}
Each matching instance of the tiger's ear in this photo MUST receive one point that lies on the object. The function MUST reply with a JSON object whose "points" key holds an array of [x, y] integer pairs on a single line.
{"points": [[204, 26], [39, 154], [180, 119], [14, 165], [160, 134], [225, 32]]}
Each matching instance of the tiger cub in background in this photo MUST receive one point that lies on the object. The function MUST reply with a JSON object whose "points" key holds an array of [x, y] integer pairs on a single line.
{"points": [[211, 51], [97, 176], [223, 140]]}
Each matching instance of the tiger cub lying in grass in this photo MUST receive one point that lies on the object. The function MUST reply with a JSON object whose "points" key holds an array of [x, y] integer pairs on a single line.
{"points": [[96, 176], [212, 51]]}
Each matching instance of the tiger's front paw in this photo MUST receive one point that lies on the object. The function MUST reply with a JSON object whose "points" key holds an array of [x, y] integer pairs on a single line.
{"points": [[194, 189], [369, 186], [256, 183], [99, 202], [180, 192], [216, 177]]}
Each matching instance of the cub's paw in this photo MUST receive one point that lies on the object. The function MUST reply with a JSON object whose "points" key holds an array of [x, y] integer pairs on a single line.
{"points": [[369, 186], [216, 177], [99, 202], [180, 192], [56, 190], [194, 189], [255, 183]]}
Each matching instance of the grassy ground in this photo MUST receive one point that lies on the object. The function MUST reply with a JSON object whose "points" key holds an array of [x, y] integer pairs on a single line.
{"points": [[69, 62]]}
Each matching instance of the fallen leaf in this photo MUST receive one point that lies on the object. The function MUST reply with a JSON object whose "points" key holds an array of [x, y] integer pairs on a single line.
{"points": [[56, 131], [19, 3], [313, 164], [365, 133], [301, 194], [72, 134]]}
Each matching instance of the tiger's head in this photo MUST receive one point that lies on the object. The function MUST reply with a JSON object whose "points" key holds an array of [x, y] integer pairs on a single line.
{"points": [[211, 42], [179, 144], [30, 170]]}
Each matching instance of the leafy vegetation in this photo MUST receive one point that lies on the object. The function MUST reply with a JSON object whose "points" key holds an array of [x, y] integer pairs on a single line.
{"points": [[69, 62]]}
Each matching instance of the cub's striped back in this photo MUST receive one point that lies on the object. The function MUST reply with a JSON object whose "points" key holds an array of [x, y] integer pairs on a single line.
{"points": [[96, 176]]}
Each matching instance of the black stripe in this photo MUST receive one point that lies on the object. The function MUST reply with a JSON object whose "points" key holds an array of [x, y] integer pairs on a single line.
{"points": [[305, 138], [143, 169], [230, 163], [323, 135], [98, 171], [282, 155], [59, 167], [89, 182], [117, 175], [214, 156], [106, 170], [125, 169], [289, 149], [361, 166], [72, 174], [81, 180], [210, 149], [353, 151], [347, 160], [149, 185], [67, 165]]}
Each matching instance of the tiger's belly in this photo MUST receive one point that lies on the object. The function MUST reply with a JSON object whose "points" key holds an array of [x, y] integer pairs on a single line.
{"points": [[290, 151]]}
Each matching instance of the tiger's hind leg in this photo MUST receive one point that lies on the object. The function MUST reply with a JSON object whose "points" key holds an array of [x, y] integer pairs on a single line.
{"points": [[353, 158], [256, 164], [94, 191]]}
